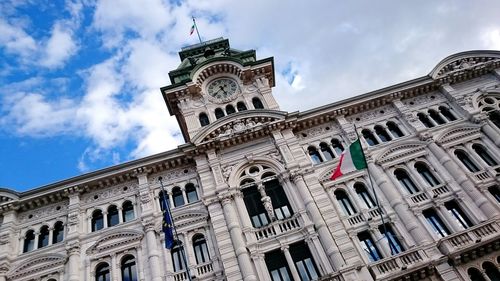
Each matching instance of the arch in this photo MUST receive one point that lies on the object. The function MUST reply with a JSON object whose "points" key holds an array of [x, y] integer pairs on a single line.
{"points": [[58, 232], [327, 152], [382, 134], [491, 271], [363, 194], [200, 249], [462, 60], [369, 137], [436, 117], [113, 216], [481, 151], [177, 196], [445, 111], [425, 120], [102, 272], [128, 268], [426, 174], [405, 181], [29, 241], [97, 220], [230, 109], [257, 103], [204, 121], [466, 161], [314, 154], [240, 106], [345, 203], [191, 194], [43, 237], [127, 211], [219, 113], [475, 274], [337, 146], [394, 129]]}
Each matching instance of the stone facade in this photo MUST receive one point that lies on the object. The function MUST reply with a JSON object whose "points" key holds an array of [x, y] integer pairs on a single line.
{"points": [[250, 191]]}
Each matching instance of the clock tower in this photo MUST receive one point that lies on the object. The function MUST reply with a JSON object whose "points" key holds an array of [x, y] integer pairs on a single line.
{"points": [[215, 83]]}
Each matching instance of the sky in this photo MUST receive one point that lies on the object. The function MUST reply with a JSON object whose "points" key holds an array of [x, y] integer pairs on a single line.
{"points": [[80, 79]]}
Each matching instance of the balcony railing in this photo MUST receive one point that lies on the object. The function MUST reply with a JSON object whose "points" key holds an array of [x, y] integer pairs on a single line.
{"points": [[418, 197], [439, 190], [408, 261], [277, 227], [355, 219], [472, 237], [201, 270], [482, 175]]}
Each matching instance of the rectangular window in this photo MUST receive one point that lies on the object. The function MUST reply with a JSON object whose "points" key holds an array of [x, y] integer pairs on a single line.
{"points": [[304, 262], [436, 223], [277, 266], [457, 213], [177, 260], [279, 200], [392, 239], [368, 245], [255, 208]]}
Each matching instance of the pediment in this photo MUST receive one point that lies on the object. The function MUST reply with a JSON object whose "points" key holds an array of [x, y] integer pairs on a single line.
{"points": [[238, 124], [187, 217], [45, 263], [458, 134], [462, 61], [115, 239], [400, 151]]}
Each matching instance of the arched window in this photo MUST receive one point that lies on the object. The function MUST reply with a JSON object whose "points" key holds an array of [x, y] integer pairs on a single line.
{"points": [[382, 133], [204, 119], [491, 271], [58, 232], [162, 198], [314, 154], [369, 246], [112, 216], [337, 146], [370, 139], [479, 149], [475, 274], [364, 195], [327, 152], [29, 241], [495, 117], [43, 238], [345, 203], [495, 191], [219, 113], [200, 249], [406, 181], [97, 220], [127, 211], [177, 196], [423, 118], [191, 193], [230, 109], [128, 269], [241, 106], [466, 161], [459, 215], [446, 113], [436, 223], [177, 260], [256, 211], [436, 117], [426, 174], [394, 129], [257, 104], [102, 272], [279, 200]]}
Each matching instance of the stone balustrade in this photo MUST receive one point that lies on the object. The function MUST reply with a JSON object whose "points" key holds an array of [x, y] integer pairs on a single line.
{"points": [[403, 263], [277, 227]]}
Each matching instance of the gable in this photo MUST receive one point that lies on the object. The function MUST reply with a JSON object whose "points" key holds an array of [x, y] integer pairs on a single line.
{"points": [[115, 239], [42, 264]]}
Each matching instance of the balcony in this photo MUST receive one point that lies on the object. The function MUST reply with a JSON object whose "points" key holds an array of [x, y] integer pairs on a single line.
{"points": [[417, 198], [201, 271], [277, 227], [471, 243], [410, 265], [440, 190]]}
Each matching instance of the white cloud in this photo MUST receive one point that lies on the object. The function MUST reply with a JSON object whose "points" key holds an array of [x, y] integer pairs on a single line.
{"points": [[491, 38], [59, 47], [15, 40]]}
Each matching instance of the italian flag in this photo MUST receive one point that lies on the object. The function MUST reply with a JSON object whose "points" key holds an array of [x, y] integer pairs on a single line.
{"points": [[351, 159], [192, 29]]}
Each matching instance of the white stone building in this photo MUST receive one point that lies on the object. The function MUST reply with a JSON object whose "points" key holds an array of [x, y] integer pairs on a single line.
{"points": [[250, 190]]}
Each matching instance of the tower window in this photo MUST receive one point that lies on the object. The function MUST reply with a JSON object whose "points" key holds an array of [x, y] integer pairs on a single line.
{"points": [[127, 211], [257, 104], [219, 113], [241, 106], [230, 109], [112, 216], [370, 139], [446, 113], [327, 152], [436, 117], [58, 234], [97, 220], [43, 238], [204, 119]]}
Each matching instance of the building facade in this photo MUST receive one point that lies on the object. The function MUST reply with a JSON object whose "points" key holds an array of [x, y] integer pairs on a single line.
{"points": [[250, 192]]}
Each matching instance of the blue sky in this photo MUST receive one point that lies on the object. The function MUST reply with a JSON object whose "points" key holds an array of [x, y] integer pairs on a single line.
{"points": [[80, 79]]}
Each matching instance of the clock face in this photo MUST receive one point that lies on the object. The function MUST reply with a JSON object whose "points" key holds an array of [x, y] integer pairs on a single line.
{"points": [[222, 88]]}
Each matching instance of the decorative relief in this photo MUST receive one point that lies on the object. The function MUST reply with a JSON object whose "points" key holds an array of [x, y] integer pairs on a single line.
{"points": [[38, 265], [352, 136], [465, 101], [226, 171], [318, 130], [110, 192], [276, 155], [238, 126], [4, 238], [462, 64], [218, 175], [174, 175], [44, 212], [115, 240], [371, 115], [423, 100]]}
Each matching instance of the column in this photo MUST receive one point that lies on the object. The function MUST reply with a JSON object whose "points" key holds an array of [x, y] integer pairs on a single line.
{"points": [[73, 249], [324, 234], [491, 133], [260, 265], [183, 189], [406, 216], [291, 264], [235, 233], [153, 253], [105, 219], [37, 235], [243, 215], [171, 199], [188, 248], [140, 263], [381, 242], [319, 253], [120, 214], [114, 265], [478, 198], [451, 222], [51, 235]]}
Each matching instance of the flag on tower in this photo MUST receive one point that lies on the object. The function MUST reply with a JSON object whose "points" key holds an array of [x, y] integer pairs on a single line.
{"points": [[351, 159], [192, 29]]}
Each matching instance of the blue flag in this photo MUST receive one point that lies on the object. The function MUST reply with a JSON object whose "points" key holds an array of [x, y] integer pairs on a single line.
{"points": [[167, 226]]}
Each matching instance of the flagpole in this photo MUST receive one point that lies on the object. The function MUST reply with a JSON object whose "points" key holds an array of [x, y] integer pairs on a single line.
{"points": [[181, 245], [196, 27], [374, 193]]}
